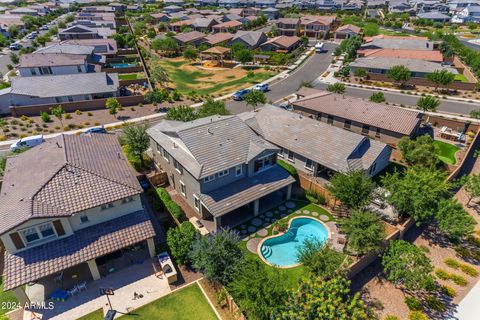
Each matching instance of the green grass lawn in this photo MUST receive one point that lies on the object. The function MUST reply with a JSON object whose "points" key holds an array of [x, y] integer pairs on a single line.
{"points": [[131, 76], [461, 78], [96, 315], [447, 152], [5, 298], [184, 304]]}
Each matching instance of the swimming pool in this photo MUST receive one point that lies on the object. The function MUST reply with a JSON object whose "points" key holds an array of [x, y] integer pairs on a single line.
{"points": [[123, 65], [282, 250]]}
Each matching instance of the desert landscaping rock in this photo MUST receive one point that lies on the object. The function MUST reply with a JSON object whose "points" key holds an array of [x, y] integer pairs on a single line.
{"points": [[256, 222], [252, 244], [252, 229], [298, 211], [290, 204], [262, 232]]}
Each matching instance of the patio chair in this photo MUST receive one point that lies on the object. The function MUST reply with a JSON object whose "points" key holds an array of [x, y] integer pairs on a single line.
{"points": [[82, 286], [73, 291], [58, 277]]}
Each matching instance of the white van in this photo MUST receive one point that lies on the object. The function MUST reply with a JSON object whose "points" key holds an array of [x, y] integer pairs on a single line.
{"points": [[319, 47], [28, 142]]}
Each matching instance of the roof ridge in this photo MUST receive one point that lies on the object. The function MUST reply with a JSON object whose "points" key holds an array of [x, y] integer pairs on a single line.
{"points": [[44, 184]]}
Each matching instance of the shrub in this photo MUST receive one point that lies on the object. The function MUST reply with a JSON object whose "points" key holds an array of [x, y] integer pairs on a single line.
{"points": [[78, 112], [173, 208], [45, 117], [68, 116], [452, 263], [281, 225], [448, 291], [24, 118], [288, 167], [391, 317], [89, 114], [435, 304], [458, 280], [413, 304], [474, 241], [469, 270], [315, 197], [417, 315], [442, 274]]}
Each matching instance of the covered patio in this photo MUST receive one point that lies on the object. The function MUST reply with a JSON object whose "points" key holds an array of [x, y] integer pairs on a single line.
{"points": [[215, 54]]}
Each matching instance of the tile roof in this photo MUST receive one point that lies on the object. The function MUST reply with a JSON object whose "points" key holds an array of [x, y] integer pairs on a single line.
{"points": [[228, 24], [428, 55], [215, 38], [414, 65], [293, 21], [349, 27], [283, 41], [324, 20], [67, 48], [330, 146], [189, 36], [99, 45], [50, 60], [65, 85], [209, 145], [85, 244], [223, 200], [379, 115], [252, 38], [64, 175]]}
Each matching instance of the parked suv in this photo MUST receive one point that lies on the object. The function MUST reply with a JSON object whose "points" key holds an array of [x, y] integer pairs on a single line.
{"points": [[240, 94]]}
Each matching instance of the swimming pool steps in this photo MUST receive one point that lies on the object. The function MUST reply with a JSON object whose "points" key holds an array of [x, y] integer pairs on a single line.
{"points": [[266, 251]]}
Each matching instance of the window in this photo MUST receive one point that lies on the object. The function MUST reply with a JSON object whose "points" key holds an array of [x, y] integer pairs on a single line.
{"points": [[70, 98], [196, 202], [83, 218], [330, 119], [291, 156], [223, 173], [238, 170], [177, 166], [79, 69], [183, 189], [347, 124], [159, 148], [309, 164], [127, 200], [365, 129], [38, 232], [107, 206], [209, 178], [33, 71], [264, 163], [58, 99], [280, 153], [319, 116], [165, 155], [377, 133]]}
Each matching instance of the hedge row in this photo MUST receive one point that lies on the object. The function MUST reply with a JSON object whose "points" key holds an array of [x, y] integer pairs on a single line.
{"points": [[173, 208], [288, 167]]}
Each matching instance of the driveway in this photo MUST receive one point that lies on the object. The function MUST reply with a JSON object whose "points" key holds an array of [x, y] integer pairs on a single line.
{"points": [[308, 71]]}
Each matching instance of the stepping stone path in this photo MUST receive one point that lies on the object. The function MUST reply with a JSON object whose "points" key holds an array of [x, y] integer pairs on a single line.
{"points": [[244, 231], [276, 212], [298, 211], [282, 208], [262, 216], [314, 214], [243, 226], [289, 211], [266, 224], [252, 244], [283, 215], [290, 204], [256, 222], [306, 211], [269, 214], [324, 217], [266, 219], [252, 229], [262, 232]]}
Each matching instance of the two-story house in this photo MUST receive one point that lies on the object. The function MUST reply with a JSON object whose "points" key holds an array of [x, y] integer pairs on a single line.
{"points": [[70, 206], [317, 26], [223, 170], [52, 64], [288, 26]]}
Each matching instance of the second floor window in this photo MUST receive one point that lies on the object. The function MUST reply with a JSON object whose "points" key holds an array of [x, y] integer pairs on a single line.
{"points": [[309, 164], [330, 119], [365, 129], [291, 156], [128, 199], [38, 232], [177, 166], [165, 155], [223, 173], [79, 69], [238, 170], [209, 178], [347, 124], [264, 162], [83, 218], [183, 189]]}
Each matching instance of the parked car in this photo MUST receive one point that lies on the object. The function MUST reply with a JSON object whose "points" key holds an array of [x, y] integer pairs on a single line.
{"points": [[319, 47], [95, 130], [44, 28], [240, 94], [28, 142], [261, 87], [286, 105], [31, 36], [15, 46]]}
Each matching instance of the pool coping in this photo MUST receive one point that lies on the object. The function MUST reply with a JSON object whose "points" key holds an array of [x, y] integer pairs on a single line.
{"points": [[259, 246]]}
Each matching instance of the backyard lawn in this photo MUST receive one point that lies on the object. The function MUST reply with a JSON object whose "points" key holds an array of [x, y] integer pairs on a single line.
{"points": [[187, 78], [461, 78], [131, 76], [184, 304], [447, 152], [5, 298]]}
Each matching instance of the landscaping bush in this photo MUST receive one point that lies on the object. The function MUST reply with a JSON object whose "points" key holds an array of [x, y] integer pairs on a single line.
{"points": [[474, 241], [134, 160], [435, 304], [413, 304], [452, 263], [469, 270], [45, 117], [417, 315], [458, 280], [180, 241], [315, 197], [442, 274], [391, 317], [288, 167], [280, 226], [448, 291], [173, 208]]}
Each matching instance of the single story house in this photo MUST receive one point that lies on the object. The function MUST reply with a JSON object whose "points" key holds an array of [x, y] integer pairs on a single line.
{"points": [[250, 39], [214, 39], [427, 55], [194, 38], [281, 44], [228, 26], [434, 16], [347, 31]]}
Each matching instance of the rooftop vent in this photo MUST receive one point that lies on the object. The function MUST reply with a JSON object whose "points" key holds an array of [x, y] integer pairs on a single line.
{"points": [[209, 130]]}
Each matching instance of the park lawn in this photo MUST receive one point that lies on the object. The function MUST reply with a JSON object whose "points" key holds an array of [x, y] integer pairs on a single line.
{"points": [[461, 78], [95, 315], [184, 304], [447, 152], [187, 78], [5, 298]]}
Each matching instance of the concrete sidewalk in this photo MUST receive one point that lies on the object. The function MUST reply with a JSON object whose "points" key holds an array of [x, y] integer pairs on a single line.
{"points": [[468, 308]]}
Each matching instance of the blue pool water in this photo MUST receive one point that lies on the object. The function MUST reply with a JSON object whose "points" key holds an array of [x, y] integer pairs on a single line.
{"points": [[123, 65], [282, 250]]}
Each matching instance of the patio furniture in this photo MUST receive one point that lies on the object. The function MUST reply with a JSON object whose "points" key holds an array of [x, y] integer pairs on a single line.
{"points": [[82, 286], [58, 277], [59, 295], [73, 291], [167, 266], [157, 269]]}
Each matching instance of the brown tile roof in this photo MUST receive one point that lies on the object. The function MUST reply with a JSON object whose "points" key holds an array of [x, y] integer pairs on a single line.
{"points": [[288, 20], [428, 55], [324, 20], [216, 38], [85, 244], [181, 23], [223, 200], [50, 60], [355, 109], [228, 24], [350, 27], [62, 176], [189, 36], [283, 41]]}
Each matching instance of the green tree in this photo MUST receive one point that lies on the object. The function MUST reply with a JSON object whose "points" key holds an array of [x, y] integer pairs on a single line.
{"points": [[371, 29], [167, 45], [360, 72], [113, 106], [180, 241], [211, 107], [45, 117], [254, 98], [62, 24], [354, 189], [156, 96], [475, 114], [377, 97], [159, 75], [336, 88], [259, 291], [407, 265], [453, 220], [420, 151], [399, 74], [472, 187], [136, 138], [14, 58], [428, 103], [190, 53], [181, 113], [243, 56], [319, 258], [365, 231], [58, 112], [417, 191], [218, 256], [13, 31], [324, 300], [441, 77]]}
